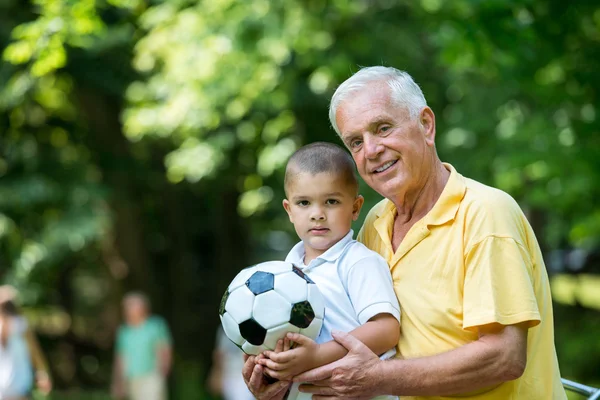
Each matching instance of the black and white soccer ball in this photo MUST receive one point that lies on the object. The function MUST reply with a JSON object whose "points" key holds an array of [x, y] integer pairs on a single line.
{"points": [[268, 300]]}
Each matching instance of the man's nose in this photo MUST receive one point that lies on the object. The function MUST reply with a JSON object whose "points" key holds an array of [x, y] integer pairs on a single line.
{"points": [[373, 147]]}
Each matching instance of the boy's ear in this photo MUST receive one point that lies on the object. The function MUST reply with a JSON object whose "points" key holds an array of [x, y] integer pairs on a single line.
{"points": [[358, 203], [286, 206]]}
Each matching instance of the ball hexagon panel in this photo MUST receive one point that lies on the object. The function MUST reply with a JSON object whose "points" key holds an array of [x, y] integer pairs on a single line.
{"points": [[301, 274], [261, 282], [253, 332], [302, 314], [291, 286], [314, 329], [232, 329], [274, 334], [249, 348], [271, 310], [239, 304], [241, 278], [315, 297]]}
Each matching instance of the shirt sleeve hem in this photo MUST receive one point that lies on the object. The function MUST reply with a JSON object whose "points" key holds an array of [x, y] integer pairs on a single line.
{"points": [[532, 318], [378, 308]]}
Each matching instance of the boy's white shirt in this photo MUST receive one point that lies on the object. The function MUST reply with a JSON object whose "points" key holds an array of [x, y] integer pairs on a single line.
{"points": [[356, 284]]}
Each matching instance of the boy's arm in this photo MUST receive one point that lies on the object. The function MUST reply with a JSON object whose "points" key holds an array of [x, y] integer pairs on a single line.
{"points": [[380, 334]]}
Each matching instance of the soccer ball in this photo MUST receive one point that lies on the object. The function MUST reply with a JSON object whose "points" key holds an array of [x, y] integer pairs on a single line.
{"points": [[268, 300]]}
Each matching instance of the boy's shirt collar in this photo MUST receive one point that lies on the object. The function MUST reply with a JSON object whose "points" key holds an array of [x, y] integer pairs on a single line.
{"points": [[296, 255]]}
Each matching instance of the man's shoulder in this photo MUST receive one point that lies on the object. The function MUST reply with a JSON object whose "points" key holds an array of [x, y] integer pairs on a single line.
{"points": [[482, 198], [156, 321], [487, 211]]}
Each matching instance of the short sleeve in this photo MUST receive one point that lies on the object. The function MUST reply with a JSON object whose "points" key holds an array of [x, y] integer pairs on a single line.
{"points": [[163, 333], [498, 285], [371, 290]]}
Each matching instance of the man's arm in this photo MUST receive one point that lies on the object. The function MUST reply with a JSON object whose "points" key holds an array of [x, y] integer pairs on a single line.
{"points": [[164, 347], [498, 356], [165, 357], [379, 334], [118, 378]]}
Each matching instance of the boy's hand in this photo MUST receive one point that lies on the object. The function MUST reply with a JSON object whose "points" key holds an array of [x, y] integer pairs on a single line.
{"points": [[291, 362]]}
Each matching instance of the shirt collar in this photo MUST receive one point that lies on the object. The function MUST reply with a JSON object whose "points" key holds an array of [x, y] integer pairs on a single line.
{"points": [[445, 208], [296, 255]]}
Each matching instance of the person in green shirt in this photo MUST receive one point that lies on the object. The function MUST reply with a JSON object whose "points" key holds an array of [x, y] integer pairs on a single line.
{"points": [[143, 352]]}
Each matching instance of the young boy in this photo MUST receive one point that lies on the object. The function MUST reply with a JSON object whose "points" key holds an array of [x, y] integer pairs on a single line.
{"points": [[322, 201]]}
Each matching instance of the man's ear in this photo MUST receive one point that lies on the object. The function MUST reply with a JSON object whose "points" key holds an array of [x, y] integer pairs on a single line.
{"points": [[358, 203], [427, 121], [287, 208]]}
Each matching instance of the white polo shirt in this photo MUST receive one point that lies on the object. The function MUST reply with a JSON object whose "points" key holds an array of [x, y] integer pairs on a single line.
{"points": [[356, 284]]}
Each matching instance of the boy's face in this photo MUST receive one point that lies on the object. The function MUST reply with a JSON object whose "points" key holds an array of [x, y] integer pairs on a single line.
{"points": [[322, 208]]}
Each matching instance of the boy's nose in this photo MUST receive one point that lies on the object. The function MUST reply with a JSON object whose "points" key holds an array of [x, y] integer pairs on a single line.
{"points": [[317, 215]]}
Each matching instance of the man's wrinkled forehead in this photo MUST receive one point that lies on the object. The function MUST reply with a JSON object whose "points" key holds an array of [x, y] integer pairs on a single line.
{"points": [[371, 105]]}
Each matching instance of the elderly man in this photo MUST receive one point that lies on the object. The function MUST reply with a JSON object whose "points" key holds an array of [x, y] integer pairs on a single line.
{"points": [[143, 352], [468, 271]]}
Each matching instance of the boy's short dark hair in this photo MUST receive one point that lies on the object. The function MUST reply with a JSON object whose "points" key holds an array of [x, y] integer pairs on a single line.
{"points": [[321, 157]]}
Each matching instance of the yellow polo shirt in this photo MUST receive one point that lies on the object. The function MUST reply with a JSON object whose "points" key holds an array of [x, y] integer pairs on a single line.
{"points": [[472, 260]]}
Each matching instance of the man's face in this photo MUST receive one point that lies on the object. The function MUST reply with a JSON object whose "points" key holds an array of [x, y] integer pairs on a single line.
{"points": [[392, 151], [135, 311]]}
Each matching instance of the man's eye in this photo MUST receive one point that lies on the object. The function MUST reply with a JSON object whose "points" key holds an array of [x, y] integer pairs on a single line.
{"points": [[384, 128], [355, 143]]}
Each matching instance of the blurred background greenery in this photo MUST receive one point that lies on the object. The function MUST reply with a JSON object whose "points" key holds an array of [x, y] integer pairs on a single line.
{"points": [[142, 145]]}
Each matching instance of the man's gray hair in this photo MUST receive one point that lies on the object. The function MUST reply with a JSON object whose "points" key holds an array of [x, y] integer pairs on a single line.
{"points": [[404, 91]]}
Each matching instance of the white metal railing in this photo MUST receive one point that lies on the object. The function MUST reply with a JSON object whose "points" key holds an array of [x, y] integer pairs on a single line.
{"points": [[590, 392]]}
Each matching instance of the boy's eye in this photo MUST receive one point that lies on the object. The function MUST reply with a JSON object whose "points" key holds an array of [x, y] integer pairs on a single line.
{"points": [[303, 203], [331, 201]]}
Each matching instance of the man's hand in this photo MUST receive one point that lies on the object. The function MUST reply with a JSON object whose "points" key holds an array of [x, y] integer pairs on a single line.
{"points": [[255, 379], [354, 377], [289, 363]]}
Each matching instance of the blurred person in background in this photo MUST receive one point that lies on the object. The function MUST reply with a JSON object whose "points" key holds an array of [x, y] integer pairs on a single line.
{"points": [[143, 352], [21, 358], [225, 378]]}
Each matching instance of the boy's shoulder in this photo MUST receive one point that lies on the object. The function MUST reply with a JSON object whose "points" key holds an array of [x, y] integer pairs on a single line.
{"points": [[356, 252]]}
